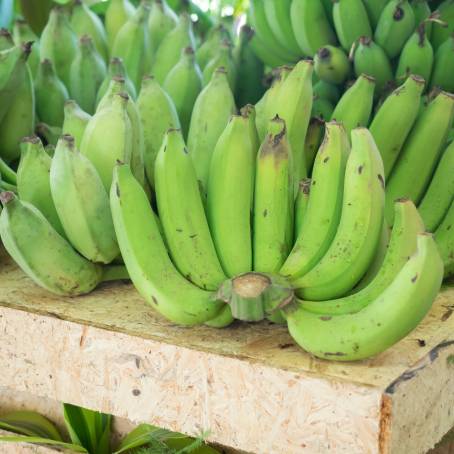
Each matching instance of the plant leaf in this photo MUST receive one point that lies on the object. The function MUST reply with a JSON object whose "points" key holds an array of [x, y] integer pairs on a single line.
{"points": [[42, 441], [139, 436], [30, 423]]}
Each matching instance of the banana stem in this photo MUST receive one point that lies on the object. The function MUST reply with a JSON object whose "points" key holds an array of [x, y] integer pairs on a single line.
{"points": [[114, 273]]}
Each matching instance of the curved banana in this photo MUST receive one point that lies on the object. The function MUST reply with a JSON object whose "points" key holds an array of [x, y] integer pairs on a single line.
{"points": [[301, 204], [355, 241], [445, 241], [422, 12], [331, 64], [157, 280], [374, 9], [210, 46], [23, 34], [41, 252], [222, 58], [264, 53], [75, 122], [161, 21], [386, 320], [117, 14], [444, 66], [441, 32]]}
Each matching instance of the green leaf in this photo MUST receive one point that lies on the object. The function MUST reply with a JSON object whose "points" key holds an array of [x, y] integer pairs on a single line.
{"points": [[141, 436], [42, 441], [29, 423]]}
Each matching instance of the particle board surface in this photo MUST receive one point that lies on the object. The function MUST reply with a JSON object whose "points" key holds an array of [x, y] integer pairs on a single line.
{"points": [[250, 385]]}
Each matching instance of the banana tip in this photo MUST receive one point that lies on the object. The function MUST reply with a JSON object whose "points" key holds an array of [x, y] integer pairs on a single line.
{"points": [[6, 197]]}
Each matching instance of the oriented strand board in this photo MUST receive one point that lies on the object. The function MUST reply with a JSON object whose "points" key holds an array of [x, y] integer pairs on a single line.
{"points": [[250, 385]]}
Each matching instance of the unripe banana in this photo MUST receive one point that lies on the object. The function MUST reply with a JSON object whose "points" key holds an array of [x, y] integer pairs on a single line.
{"points": [[208, 49], [322, 109], [157, 114], [356, 238], [394, 120], [41, 252], [22, 34], [230, 196], [314, 137], [441, 32], [82, 203], [169, 51], [396, 24], [351, 22], [444, 66], [75, 122], [51, 95], [183, 84], [211, 113], [440, 193], [50, 134], [117, 14], [416, 57], [161, 21], [88, 71], [324, 90], [331, 64], [6, 40], [7, 174], [374, 9], [263, 52], [182, 215], [33, 184], [311, 26], [301, 204], [371, 59], [223, 58], [323, 212], [132, 45], [104, 150], [157, 280], [59, 43], [445, 241], [422, 12], [86, 22], [355, 106], [411, 174]]}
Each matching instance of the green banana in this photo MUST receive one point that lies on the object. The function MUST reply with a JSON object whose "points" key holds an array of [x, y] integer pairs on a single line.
{"points": [[51, 95], [33, 184], [230, 196], [441, 32], [396, 24], [422, 12], [223, 58], [6, 40], [356, 238], [116, 68], [350, 21], [445, 241], [157, 280], [161, 21], [169, 51], [417, 56], [371, 59], [182, 215], [273, 200], [331, 64], [440, 193], [211, 113], [41, 252], [411, 174], [117, 14], [86, 22], [88, 71], [50, 134], [82, 203], [7, 174], [322, 109], [325, 90], [102, 149], [374, 9], [157, 114], [401, 245], [314, 137], [209, 47], [323, 211], [183, 84], [262, 51], [355, 106], [444, 66], [311, 26], [58, 44], [301, 204], [394, 119], [22, 34], [386, 320], [132, 45], [75, 122]]}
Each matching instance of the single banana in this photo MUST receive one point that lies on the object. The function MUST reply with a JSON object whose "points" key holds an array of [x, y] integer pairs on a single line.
{"points": [[161, 21], [183, 84], [323, 211], [7, 174], [210, 46], [301, 204], [88, 71], [75, 122], [6, 40], [117, 14], [314, 138], [440, 193], [182, 215], [86, 22], [444, 66], [273, 200], [355, 106], [157, 280], [445, 241], [311, 26], [263, 52], [325, 90], [51, 95], [157, 114], [211, 113], [422, 12], [58, 43], [395, 118], [230, 196], [355, 241], [411, 174], [396, 24], [82, 203], [374, 9], [222, 58], [33, 184], [399, 247], [331, 64], [386, 320], [41, 252], [23, 34], [443, 29]]}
